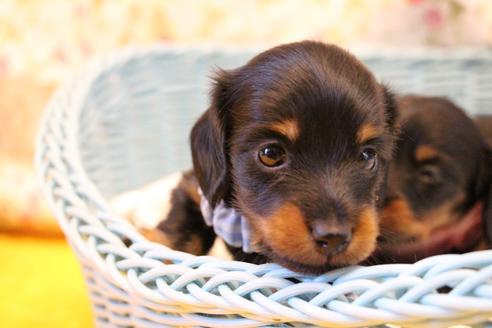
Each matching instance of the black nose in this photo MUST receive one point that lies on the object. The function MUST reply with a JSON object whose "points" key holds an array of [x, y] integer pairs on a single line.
{"points": [[330, 240]]}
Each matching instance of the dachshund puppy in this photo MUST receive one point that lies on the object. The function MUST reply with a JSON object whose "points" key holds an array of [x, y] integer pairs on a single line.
{"points": [[289, 162], [437, 184]]}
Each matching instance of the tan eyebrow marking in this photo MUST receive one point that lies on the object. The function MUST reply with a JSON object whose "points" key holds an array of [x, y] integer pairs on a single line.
{"points": [[366, 132], [289, 128], [425, 152]]}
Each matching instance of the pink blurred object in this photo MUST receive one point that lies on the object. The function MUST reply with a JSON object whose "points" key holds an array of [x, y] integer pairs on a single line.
{"points": [[434, 18]]}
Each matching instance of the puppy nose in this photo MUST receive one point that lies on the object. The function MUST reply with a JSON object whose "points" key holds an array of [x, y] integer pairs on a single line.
{"points": [[329, 239]]}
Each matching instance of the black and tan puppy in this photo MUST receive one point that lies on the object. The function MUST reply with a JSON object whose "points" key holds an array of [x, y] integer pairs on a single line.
{"points": [[297, 143], [437, 184]]}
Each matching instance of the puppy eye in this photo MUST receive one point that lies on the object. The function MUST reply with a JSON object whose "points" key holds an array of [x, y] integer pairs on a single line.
{"points": [[428, 174], [370, 158], [272, 155]]}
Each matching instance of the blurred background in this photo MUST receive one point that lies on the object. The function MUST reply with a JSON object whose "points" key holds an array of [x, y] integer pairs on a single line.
{"points": [[43, 42]]}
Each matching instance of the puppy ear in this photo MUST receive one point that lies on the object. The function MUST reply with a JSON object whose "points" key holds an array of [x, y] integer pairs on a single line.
{"points": [[391, 110], [391, 116], [208, 141]]}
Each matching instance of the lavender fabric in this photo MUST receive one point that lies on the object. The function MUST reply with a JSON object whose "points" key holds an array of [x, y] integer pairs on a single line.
{"points": [[228, 224]]}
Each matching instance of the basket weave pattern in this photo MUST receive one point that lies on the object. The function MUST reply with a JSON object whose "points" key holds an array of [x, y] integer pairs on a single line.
{"points": [[125, 121]]}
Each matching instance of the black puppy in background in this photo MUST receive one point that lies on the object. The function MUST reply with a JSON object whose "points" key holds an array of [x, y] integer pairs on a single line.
{"points": [[438, 189], [297, 142]]}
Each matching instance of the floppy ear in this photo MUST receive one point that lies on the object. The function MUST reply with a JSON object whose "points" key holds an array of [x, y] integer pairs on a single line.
{"points": [[208, 142], [391, 116], [391, 110]]}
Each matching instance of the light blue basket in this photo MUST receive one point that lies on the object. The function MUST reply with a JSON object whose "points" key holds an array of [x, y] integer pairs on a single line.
{"points": [[124, 122]]}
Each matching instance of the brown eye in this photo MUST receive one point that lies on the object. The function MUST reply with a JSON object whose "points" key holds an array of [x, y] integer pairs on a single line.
{"points": [[370, 157], [272, 156]]}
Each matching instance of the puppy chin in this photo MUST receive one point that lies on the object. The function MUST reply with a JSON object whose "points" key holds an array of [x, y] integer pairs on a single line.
{"points": [[299, 267], [340, 260]]}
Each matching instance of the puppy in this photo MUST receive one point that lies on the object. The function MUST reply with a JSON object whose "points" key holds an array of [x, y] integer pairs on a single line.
{"points": [[437, 186], [289, 162]]}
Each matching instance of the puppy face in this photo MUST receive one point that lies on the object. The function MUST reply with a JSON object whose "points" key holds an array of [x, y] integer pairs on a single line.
{"points": [[298, 141], [437, 175]]}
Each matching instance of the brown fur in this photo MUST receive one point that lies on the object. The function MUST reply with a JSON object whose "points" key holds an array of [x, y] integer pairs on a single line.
{"points": [[157, 236], [288, 128], [425, 152], [398, 218], [287, 232], [190, 186], [192, 245], [363, 240], [367, 132]]}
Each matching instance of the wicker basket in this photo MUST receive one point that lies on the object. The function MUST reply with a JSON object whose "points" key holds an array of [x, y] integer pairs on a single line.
{"points": [[124, 122]]}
